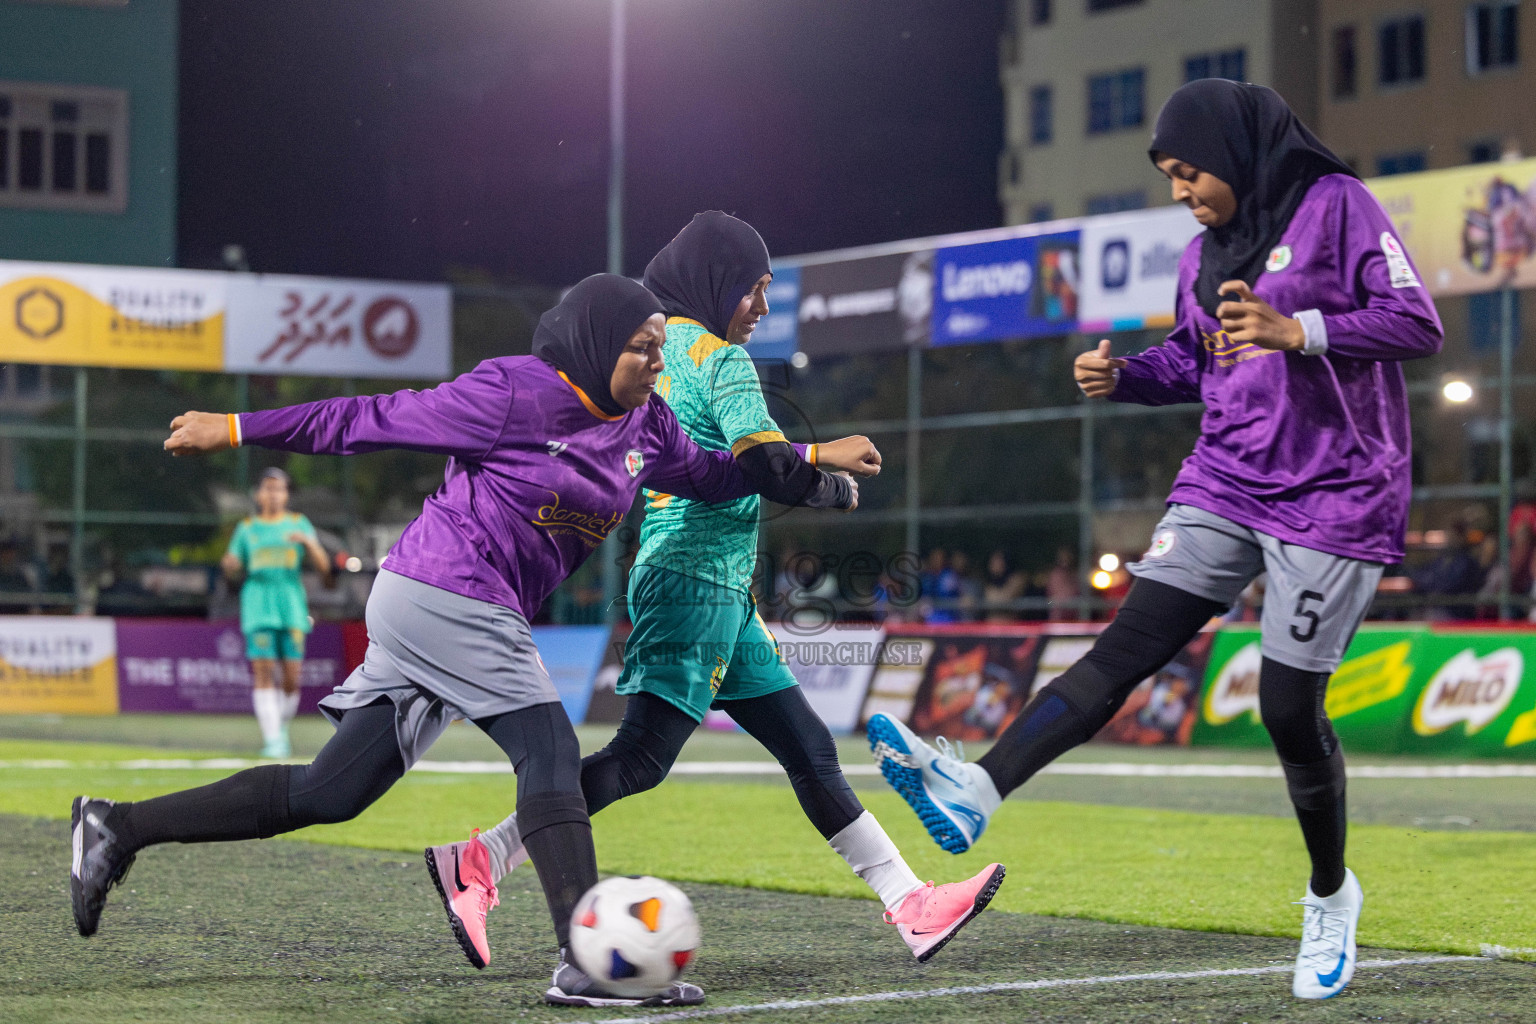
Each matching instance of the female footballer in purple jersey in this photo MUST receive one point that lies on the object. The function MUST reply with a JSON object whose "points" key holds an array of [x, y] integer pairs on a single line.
{"points": [[546, 454], [1296, 306]]}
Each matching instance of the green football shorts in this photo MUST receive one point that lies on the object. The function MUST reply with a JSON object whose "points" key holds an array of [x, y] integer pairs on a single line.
{"points": [[695, 643]]}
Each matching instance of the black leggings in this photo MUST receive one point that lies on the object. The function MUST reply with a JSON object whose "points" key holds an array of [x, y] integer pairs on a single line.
{"points": [[359, 763], [653, 731]]}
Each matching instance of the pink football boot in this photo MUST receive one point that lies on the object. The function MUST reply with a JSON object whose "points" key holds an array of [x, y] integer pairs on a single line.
{"points": [[462, 874], [931, 916]]}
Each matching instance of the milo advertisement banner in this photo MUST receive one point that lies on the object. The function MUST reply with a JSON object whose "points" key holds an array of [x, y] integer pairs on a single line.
{"points": [[1415, 690]]}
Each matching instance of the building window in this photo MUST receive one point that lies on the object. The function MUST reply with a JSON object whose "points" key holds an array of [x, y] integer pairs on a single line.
{"points": [[1485, 151], [1114, 202], [1493, 36], [1229, 64], [1401, 163], [1115, 100], [1345, 62], [1400, 51], [1040, 115], [1109, 5], [1041, 212], [63, 147], [1039, 12]]}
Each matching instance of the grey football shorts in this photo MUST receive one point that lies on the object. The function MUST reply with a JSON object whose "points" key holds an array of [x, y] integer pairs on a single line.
{"points": [[1313, 601], [438, 656]]}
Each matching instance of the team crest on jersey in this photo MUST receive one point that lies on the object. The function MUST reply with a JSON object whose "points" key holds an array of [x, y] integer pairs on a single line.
{"points": [[1161, 544], [634, 462], [1279, 259]]}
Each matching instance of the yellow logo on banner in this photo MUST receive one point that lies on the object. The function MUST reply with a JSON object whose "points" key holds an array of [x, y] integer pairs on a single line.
{"points": [[1522, 731], [143, 325], [1370, 679], [57, 665]]}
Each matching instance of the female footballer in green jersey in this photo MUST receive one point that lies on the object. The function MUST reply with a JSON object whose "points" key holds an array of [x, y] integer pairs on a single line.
{"points": [[698, 640], [269, 550]]}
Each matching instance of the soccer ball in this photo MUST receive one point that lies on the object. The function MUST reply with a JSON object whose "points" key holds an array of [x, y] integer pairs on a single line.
{"points": [[634, 935]]}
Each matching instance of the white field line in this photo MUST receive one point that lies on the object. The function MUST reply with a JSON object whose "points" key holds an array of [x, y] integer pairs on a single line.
{"points": [[1116, 769], [1015, 986]]}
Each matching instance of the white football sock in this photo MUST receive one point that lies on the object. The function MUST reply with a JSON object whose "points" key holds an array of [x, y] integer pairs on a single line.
{"points": [[505, 845], [874, 858], [991, 799], [268, 703], [290, 705]]}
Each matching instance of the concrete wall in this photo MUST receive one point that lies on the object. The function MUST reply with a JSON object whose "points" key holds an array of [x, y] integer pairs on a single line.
{"points": [[130, 46]]}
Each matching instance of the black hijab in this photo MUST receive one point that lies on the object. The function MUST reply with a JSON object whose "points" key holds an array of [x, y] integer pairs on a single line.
{"points": [[584, 335], [1246, 136], [707, 269]]}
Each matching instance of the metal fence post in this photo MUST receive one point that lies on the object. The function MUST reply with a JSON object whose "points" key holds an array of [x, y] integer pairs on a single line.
{"points": [[1085, 507], [1506, 440], [77, 503], [914, 449]]}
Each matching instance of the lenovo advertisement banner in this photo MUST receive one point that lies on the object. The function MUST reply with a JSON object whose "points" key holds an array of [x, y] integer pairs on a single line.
{"points": [[1131, 268], [332, 327], [1013, 288], [875, 304]]}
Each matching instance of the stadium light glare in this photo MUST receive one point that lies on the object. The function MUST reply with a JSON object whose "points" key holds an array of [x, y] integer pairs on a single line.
{"points": [[1457, 391], [1101, 580], [1109, 561], [799, 360], [354, 564]]}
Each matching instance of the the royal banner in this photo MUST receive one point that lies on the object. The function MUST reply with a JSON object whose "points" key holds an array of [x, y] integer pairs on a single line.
{"points": [[1468, 229], [57, 665], [80, 315], [333, 327], [191, 665]]}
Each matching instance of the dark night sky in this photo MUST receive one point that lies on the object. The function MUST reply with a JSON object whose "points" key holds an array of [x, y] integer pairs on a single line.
{"points": [[398, 138]]}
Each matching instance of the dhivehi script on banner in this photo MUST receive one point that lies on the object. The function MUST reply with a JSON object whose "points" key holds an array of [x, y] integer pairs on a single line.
{"points": [[62, 665]]}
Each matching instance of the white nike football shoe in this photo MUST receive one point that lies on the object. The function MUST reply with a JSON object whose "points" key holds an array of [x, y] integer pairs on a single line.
{"points": [[954, 799], [1326, 962]]}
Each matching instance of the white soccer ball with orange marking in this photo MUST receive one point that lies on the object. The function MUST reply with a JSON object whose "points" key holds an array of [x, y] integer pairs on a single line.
{"points": [[635, 935]]}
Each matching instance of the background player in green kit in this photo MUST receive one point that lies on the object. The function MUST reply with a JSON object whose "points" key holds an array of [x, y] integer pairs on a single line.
{"points": [[698, 640], [269, 550]]}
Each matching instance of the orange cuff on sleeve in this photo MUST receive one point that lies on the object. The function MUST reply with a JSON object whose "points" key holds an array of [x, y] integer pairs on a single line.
{"points": [[234, 431], [812, 452]]}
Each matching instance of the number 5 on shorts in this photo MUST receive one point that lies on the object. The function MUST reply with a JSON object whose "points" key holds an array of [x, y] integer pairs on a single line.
{"points": [[1303, 612]]}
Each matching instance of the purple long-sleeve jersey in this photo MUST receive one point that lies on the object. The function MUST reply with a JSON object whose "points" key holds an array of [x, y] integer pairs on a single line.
{"points": [[1312, 449], [537, 476]]}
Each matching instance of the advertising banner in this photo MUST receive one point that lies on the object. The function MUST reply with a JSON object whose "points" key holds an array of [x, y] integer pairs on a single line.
{"points": [[1164, 708], [1131, 268], [57, 665], [137, 317], [1475, 695], [571, 656], [605, 705], [1468, 229], [777, 333], [897, 677], [875, 304], [169, 665], [333, 327], [834, 670], [1013, 288], [974, 685]]}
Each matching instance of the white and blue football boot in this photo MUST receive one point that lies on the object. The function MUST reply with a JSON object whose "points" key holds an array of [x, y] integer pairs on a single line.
{"points": [[1326, 962], [954, 799]]}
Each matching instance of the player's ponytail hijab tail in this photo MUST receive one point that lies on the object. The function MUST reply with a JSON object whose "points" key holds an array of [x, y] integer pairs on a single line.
{"points": [[707, 270], [1246, 136], [584, 335]]}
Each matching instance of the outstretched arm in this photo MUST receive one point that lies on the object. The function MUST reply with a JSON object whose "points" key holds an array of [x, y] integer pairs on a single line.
{"points": [[463, 417]]}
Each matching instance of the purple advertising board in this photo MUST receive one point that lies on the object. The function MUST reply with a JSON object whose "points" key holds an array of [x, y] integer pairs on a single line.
{"points": [[181, 665]]}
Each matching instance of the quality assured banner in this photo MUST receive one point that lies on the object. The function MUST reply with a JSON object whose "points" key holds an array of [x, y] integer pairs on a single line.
{"points": [[1011, 288], [57, 665], [80, 315], [333, 327]]}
